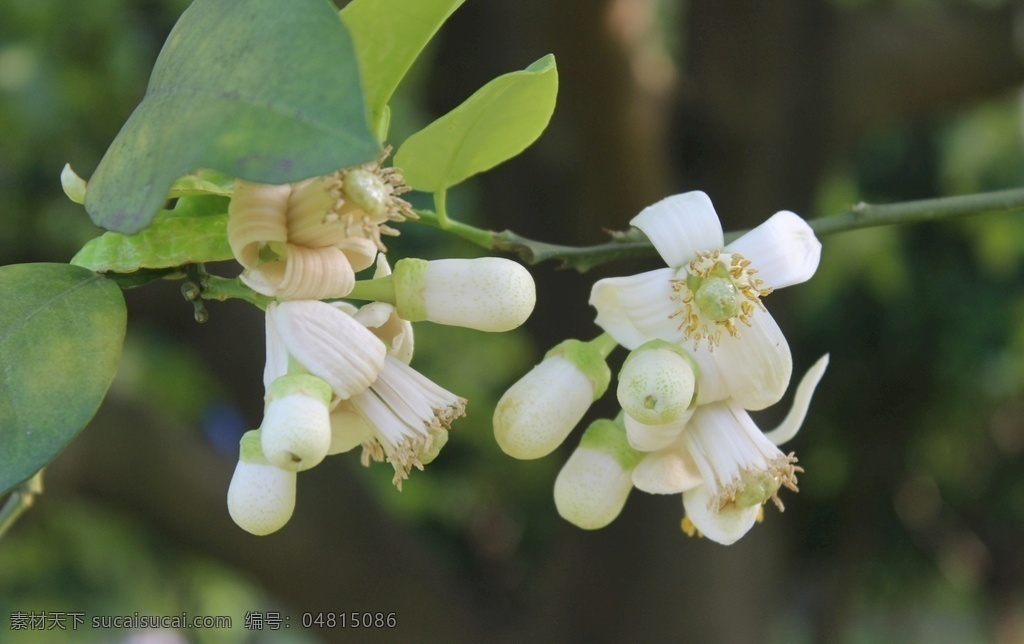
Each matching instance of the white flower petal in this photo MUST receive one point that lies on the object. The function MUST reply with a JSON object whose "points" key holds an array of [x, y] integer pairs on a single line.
{"points": [[711, 387], [724, 526], [591, 489], [330, 344], [783, 249], [680, 225], [637, 308], [667, 471], [756, 367], [790, 425], [648, 438], [277, 354], [348, 429]]}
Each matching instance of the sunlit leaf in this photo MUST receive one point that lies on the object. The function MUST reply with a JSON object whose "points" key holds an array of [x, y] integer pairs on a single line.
{"points": [[61, 331], [194, 232], [496, 123], [259, 89], [389, 35]]}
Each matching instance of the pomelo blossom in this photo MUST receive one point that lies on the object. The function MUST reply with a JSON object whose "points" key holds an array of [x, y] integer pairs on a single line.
{"points": [[307, 240], [402, 417], [725, 467], [709, 296]]}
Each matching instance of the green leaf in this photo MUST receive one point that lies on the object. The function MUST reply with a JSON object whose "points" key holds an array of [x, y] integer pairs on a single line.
{"points": [[263, 90], [194, 232], [493, 125], [61, 331], [389, 35], [202, 182]]}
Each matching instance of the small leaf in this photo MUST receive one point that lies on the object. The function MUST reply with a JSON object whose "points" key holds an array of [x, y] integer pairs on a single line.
{"points": [[73, 185], [202, 182], [389, 35], [493, 125], [263, 90], [194, 232], [61, 331]]}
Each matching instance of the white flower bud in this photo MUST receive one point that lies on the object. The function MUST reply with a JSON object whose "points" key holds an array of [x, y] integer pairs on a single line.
{"points": [[261, 497], [594, 483], [296, 429], [657, 383], [539, 411], [486, 293]]}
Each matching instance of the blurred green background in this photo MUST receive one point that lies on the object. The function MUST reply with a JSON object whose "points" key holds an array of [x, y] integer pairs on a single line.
{"points": [[910, 521]]}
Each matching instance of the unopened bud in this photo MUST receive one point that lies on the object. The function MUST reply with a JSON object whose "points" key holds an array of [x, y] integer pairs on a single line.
{"points": [[261, 497], [296, 429]]}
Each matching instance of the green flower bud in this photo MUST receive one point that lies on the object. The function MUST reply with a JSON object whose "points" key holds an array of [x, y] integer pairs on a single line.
{"points": [[657, 383]]}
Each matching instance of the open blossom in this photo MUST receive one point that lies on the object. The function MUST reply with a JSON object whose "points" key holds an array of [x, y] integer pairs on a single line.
{"points": [[308, 239], [402, 417], [710, 296], [725, 467]]}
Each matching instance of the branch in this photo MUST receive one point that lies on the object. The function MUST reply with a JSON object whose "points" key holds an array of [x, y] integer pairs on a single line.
{"points": [[21, 499], [633, 243]]}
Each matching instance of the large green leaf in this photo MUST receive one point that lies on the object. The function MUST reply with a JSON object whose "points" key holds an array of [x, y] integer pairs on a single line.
{"points": [[264, 90], [61, 331], [496, 123], [389, 35], [194, 232]]}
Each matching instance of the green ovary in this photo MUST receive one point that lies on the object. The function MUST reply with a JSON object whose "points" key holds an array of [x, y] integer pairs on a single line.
{"points": [[718, 299]]}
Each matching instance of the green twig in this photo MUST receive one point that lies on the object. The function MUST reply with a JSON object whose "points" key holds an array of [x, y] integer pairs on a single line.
{"points": [[224, 288], [633, 244], [20, 500]]}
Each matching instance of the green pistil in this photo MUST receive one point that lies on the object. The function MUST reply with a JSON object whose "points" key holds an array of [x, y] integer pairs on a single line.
{"points": [[718, 299]]}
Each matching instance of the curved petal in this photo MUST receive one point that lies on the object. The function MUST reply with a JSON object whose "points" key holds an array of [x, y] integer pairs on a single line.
{"points": [[711, 387], [667, 471], [330, 345], [783, 249], [724, 526], [648, 438], [315, 273], [256, 216], [756, 367], [680, 225], [790, 425], [637, 308]]}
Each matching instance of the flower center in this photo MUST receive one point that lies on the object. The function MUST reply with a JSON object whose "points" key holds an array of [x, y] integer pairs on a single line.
{"points": [[757, 486], [716, 290]]}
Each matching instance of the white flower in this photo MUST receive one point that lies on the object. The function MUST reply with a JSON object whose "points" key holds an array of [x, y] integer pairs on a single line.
{"points": [[725, 467], [539, 411], [485, 293], [594, 483], [296, 428], [402, 417], [710, 295], [261, 497], [308, 239], [409, 416], [324, 341]]}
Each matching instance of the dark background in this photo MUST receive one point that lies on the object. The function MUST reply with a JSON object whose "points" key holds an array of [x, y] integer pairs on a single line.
{"points": [[910, 521]]}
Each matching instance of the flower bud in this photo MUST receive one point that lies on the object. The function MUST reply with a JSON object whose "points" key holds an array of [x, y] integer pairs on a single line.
{"points": [[594, 483], [486, 293], [537, 413], [657, 383], [296, 429], [261, 497]]}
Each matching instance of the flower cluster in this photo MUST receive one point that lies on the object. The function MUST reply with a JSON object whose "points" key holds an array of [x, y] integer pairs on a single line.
{"points": [[703, 352], [338, 376]]}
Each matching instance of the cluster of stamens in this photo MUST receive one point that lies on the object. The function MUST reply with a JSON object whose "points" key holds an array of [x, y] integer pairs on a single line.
{"points": [[759, 486], [727, 281]]}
